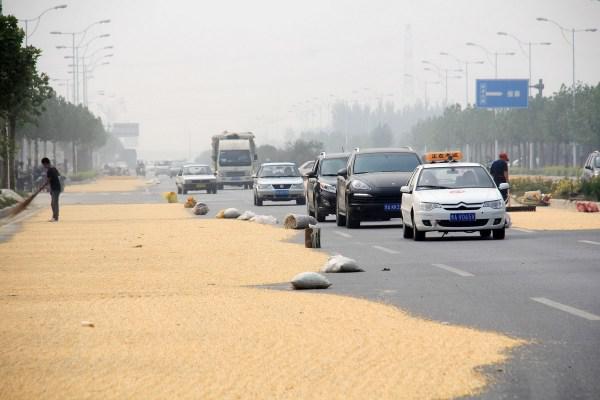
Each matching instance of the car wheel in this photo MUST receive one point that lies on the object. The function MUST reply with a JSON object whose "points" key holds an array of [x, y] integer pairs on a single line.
{"points": [[351, 221], [178, 190], [318, 215], [257, 201], [340, 220], [485, 233], [418, 236], [301, 201], [184, 191], [499, 233], [220, 186], [407, 232]]}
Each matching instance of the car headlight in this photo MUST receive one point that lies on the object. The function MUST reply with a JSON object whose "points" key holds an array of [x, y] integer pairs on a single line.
{"points": [[298, 186], [497, 204], [327, 187], [262, 186], [429, 206], [359, 185]]}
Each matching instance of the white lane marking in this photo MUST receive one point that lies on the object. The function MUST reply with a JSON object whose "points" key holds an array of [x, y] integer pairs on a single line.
{"points": [[386, 250], [571, 310], [343, 234], [589, 242], [453, 270], [522, 230]]}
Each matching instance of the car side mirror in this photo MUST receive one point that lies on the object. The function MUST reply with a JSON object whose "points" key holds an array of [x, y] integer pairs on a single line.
{"points": [[405, 189], [588, 167], [503, 186], [343, 173], [311, 174], [254, 176]]}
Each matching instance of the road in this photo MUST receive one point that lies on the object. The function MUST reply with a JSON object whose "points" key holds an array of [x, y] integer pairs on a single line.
{"points": [[540, 286]]}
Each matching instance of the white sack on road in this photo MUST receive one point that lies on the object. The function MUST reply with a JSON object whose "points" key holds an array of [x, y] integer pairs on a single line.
{"points": [[310, 280], [339, 263], [246, 215], [265, 220]]}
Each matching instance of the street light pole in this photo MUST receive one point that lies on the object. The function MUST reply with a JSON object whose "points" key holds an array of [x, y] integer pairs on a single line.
{"points": [[573, 31], [466, 63], [495, 53], [27, 21]]}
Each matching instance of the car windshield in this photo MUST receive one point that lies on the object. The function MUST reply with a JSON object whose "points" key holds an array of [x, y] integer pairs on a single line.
{"points": [[385, 162], [330, 166], [597, 162], [454, 178], [197, 170], [234, 158], [278, 171]]}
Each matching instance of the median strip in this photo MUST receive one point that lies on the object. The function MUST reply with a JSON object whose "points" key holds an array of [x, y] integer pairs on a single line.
{"points": [[453, 270], [568, 309]]}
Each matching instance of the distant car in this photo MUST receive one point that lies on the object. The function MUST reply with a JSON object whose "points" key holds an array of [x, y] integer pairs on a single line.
{"points": [[321, 186], [196, 177], [368, 189], [450, 197], [306, 167], [162, 168], [278, 182], [591, 168], [175, 167]]}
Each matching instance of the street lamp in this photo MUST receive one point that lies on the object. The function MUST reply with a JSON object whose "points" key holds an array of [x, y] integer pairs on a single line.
{"points": [[528, 52], [27, 21], [495, 53], [466, 63], [75, 56], [572, 43], [444, 75]]}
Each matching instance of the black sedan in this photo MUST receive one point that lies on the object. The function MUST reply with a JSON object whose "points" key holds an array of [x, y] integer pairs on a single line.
{"points": [[368, 189], [321, 185]]}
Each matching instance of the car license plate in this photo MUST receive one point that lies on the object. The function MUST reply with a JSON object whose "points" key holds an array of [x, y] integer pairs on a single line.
{"points": [[282, 193], [236, 178], [466, 217], [391, 207], [200, 186]]}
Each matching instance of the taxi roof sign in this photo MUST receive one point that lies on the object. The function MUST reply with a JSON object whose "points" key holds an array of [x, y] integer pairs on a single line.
{"points": [[443, 156]]}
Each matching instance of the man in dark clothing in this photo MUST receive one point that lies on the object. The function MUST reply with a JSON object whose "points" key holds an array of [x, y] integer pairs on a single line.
{"points": [[499, 171], [53, 181]]}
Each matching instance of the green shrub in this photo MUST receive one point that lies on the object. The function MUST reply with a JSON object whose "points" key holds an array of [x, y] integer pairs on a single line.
{"points": [[82, 176], [553, 170], [520, 185], [591, 189]]}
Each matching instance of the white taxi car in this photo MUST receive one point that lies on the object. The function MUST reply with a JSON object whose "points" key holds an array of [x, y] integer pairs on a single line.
{"points": [[449, 196]]}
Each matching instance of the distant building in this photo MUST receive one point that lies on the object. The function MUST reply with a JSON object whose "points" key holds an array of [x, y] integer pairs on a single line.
{"points": [[128, 134]]}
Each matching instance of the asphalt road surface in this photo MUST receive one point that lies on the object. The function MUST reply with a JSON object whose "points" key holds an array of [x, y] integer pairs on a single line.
{"points": [[539, 286]]}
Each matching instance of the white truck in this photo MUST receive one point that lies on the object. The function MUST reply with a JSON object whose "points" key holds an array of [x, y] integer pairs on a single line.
{"points": [[234, 158]]}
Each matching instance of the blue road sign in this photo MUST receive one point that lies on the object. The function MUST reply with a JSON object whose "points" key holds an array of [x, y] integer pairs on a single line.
{"points": [[502, 93]]}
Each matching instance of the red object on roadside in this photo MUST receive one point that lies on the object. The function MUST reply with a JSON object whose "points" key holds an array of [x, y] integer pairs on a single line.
{"points": [[586, 206]]}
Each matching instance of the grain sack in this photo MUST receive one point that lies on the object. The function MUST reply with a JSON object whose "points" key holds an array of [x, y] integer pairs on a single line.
{"points": [[170, 197], [190, 202], [339, 263], [310, 280], [200, 209], [246, 215], [265, 220], [297, 221], [231, 213]]}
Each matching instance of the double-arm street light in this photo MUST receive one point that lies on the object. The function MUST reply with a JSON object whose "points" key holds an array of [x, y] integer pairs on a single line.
{"points": [[27, 21], [443, 73], [466, 64], [573, 31], [526, 53], [75, 55], [494, 53]]}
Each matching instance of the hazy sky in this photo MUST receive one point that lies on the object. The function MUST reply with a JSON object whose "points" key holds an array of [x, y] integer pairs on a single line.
{"points": [[187, 69]]}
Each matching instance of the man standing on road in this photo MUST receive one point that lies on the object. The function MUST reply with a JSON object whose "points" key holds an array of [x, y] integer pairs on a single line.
{"points": [[53, 181], [499, 171]]}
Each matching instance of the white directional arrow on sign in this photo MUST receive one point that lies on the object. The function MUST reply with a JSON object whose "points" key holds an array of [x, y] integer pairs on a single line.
{"points": [[494, 94]]}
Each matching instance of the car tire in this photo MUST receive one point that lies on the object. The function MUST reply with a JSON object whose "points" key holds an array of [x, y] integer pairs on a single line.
{"points": [[184, 191], [178, 190], [485, 233], [351, 221], [301, 202], [257, 201], [407, 231], [499, 233], [340, 220], [418, 236], [220, 186]]}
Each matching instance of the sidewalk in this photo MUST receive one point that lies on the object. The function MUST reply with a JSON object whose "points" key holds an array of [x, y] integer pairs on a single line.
{"points": [[174, 316]]}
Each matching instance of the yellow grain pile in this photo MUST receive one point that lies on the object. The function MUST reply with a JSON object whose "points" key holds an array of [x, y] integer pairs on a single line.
{"points": [[173, 317], [548, 218]]}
